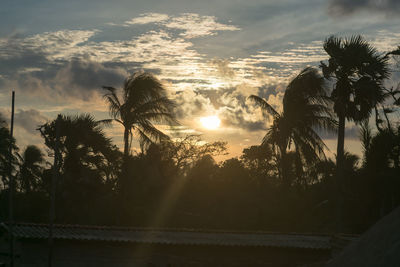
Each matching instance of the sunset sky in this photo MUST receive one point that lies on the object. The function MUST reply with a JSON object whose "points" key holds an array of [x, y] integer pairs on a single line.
{"points": [[211, 55]]}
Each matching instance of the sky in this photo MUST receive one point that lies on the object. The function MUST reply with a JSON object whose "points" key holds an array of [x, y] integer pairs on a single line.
{"points": [[210, 55]]}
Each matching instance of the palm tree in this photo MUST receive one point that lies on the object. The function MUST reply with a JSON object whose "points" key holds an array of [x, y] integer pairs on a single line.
{"points": [[83, 144], [357, 72], [31, 168], [305, 110], [144, 101], [87, 157]]}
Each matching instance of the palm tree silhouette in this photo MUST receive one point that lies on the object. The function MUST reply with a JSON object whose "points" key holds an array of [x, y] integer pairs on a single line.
{"points": [[144, 101], [86, 155], [31, 168], [357, 71], [83, 142], [305, 110]]}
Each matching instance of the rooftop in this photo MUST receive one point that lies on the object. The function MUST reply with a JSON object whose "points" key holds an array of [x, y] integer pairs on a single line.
{"points": [[171, 236]]}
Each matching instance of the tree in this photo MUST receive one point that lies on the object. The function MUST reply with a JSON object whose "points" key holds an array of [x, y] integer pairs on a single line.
{"points": [[144, 101], [357, 71], [305, 110], [88, 161], [31, 168], [5, 142], [260, 161], [186, 151], [83, 144]]}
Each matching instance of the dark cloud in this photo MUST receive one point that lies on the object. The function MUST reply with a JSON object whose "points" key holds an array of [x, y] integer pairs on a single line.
{"points": [[29, 120], [26, 60], [347, 7], [190, 104], [75, 79], [215, 95], [236, 112], [89, 75], [240, 117]]}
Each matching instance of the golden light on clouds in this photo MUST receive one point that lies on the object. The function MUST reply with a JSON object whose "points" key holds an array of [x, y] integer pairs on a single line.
{"points": [[210, 122]]}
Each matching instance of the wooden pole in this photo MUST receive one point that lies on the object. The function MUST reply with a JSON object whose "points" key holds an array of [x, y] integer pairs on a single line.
{"points": [[11, 186], [53, 191]]}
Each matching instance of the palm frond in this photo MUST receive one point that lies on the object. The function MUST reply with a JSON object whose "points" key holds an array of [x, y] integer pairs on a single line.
{"points": [[264, 105], [106, 122], [161, 117], [157, 104], [114, 104]]}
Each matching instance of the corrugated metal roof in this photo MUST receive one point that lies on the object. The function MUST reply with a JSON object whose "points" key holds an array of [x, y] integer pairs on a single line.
{"points": [[173, 237]]}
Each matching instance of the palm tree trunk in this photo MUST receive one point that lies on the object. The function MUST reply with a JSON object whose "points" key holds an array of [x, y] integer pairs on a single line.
{"points": [[340, 143], [126, 143], [123, 181], [339, 172], [284, 168]]}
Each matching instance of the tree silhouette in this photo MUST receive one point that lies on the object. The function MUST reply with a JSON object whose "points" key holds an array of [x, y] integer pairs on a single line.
{"points": [[357, 71], [82, 143], [144, 101], [305, 109], [86, 157], [186, 151], [31, 168], [5, 142]]}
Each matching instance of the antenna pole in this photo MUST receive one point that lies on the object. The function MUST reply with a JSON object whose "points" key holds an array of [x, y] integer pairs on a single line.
{"points": [[11, 185]]}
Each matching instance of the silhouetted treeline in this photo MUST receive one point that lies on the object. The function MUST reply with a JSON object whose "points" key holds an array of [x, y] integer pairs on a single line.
{"points": [[285, 184]]}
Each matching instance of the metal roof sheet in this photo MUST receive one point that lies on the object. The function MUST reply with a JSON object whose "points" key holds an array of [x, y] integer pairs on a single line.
{"points": [[172, 237]]}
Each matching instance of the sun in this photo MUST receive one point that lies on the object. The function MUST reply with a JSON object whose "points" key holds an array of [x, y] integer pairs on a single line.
{"points": [[210, 122]]}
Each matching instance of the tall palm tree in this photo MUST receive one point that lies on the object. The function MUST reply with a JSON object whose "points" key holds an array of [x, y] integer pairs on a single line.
{"points": [[144, 101], [357, 71], [305, 110]]}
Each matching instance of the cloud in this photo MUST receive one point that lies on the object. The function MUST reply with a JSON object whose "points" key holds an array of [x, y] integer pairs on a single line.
{"points": [[223, 68], [29, 119], [195, 25], [245, 90], [275, 100], [191, 25], [191, 104], [26, 123], [77, 79], [82, 77], [385, 40], [238, 112], [148, 18], [53, 45], [348, 7]]}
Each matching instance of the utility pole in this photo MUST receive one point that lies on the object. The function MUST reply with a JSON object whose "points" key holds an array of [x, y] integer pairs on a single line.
{"points": [[54, 180], [11, 185]]}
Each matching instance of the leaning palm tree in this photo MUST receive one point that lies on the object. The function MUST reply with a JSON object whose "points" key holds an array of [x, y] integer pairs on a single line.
{"points": [[305, 110], [357, 71], [144, 102]]}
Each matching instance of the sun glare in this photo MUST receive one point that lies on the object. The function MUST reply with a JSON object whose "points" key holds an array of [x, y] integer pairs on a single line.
{"points": [[210, 122]]}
